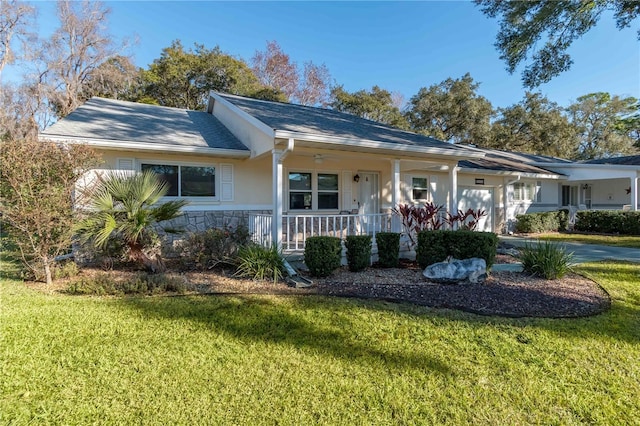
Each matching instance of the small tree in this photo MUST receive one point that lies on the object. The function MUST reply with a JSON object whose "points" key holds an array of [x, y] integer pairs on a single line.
{"points": [[126, 207], [37, 182]]}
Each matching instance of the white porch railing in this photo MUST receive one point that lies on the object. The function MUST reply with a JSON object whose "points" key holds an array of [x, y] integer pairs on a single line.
{"points": [[297, 228]]}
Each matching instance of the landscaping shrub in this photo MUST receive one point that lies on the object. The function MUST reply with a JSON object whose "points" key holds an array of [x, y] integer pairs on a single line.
{"points": [[212, 248], [436, 246], [322, 255], [260, 263], [546, 259], [388, 249], [358, 252], [65, 269], [142, 283], [608, 222], [542, 222]]}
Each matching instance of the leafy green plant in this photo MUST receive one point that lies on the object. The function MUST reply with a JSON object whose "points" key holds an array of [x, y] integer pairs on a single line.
{"points": [[436, 246], [322, 255], [66, 269], [126, 207], [608, 222], [212, 248], [142, 283], [358, 252], [542, 222], [388, 249], [546, 259], [260, 263]]}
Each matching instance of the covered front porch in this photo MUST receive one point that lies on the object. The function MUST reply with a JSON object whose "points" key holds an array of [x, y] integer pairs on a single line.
{"points": [[350, 190]]}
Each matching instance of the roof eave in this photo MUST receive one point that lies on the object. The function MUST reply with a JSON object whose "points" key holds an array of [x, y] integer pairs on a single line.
{"points": [[120, 145], [514, 173], [372, 144]]}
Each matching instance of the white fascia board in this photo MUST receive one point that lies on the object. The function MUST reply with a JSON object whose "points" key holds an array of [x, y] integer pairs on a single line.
{"points": [[365, 143], [588, 166], [467, 170], [155, 147], [268, 131]]}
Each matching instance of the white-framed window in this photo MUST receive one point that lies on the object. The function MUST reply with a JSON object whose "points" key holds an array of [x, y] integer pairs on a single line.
{"points": [[314, 190], [527, 191], [197, 181], [419, 188]]}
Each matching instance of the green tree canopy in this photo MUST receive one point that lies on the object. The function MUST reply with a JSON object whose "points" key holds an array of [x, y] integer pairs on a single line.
{"points": [[451, 111], [599, 119], [535, 125], [524, 23], [183, 78], [377, 105]]}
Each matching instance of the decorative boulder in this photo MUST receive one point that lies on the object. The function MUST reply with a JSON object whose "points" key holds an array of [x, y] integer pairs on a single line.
{"points": [[454, 271]]}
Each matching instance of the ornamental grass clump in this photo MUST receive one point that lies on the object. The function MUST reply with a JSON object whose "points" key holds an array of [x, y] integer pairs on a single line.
{"points": [[546, 259], [260, 263]]}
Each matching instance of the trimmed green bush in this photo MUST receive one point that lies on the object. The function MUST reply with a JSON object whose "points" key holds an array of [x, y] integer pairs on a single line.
{"points": [[542, 222], [388, 249], [436, 246], [546, 259], [322, 255], [358, 252], [608, 222], [260, 263]]}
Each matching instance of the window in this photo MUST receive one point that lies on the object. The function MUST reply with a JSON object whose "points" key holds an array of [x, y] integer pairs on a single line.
{"points": [[313, 191], [186, 181], [300, 191], [419, 188], [525, 191]]}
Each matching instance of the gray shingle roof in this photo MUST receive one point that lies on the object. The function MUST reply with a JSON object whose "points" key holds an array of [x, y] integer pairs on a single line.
{"points": [[320, 121], [112, 120], [630, 160], [511, 162]]}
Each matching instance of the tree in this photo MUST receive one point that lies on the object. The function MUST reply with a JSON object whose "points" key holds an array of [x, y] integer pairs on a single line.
{"points": [[534, 125], [116, 78], [15, 19], [183, 78], [36, 198], [524, 23], [451, 111], [126, 208], [598, 117], [75, 50], [275, 70], [377, 105]]}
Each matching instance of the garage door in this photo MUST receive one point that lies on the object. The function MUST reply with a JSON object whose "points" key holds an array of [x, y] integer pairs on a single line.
{"points": [[477, 199]]}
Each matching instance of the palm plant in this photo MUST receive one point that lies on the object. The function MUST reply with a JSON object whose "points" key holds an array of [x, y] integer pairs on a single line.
{"points": [[126, 207]]}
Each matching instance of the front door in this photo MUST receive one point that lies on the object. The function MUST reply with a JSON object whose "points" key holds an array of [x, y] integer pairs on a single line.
{"points": [[368, 193]]}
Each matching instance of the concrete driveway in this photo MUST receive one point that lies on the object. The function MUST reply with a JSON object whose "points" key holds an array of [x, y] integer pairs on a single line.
{"points": [[584, 252]]}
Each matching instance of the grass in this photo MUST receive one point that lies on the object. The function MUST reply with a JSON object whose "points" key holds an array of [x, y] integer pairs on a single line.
{"points": [[313, 360], [605, 240]]}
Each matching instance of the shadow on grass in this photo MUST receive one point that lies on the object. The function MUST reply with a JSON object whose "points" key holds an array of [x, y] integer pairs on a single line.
{"points": [[252, 319]]}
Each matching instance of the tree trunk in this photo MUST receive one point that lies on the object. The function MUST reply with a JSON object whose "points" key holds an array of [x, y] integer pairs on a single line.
{"points": [[47, 271]]}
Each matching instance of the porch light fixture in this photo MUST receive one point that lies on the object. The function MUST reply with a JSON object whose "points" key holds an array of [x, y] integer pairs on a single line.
{"points": [[585, 186], [356, 178]]}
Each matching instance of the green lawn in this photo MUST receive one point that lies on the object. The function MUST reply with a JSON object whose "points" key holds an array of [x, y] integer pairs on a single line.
{"points": [[606, 240], [313, 360]]}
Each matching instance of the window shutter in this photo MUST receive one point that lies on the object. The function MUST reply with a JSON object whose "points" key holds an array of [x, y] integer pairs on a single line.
{"points": [[539, 191], [433, 186], [347, 192], [126, 164], [406, 189], [226, 182]]}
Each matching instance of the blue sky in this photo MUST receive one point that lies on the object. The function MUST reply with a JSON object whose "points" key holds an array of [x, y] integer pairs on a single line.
{"points": [[400, 46]]}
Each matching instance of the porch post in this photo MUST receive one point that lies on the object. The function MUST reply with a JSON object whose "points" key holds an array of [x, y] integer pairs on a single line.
{"points": [[395, 192], [277, 179], [453, 190], [634, 194]]}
